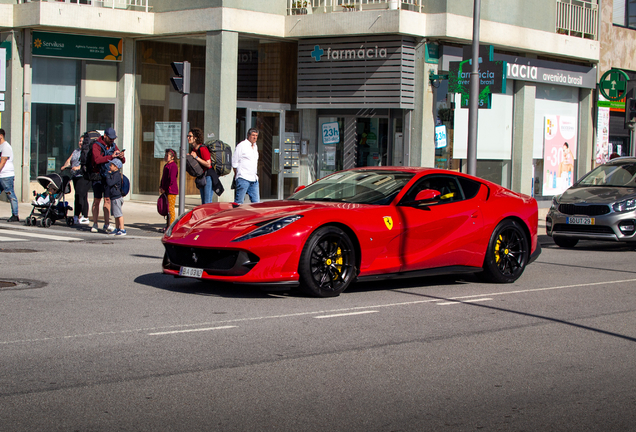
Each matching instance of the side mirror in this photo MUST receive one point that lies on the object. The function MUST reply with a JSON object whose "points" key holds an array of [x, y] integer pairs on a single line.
{"points": [[427, 195], [299, 188]]}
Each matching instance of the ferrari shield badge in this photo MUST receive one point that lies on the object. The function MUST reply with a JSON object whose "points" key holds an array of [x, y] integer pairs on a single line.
{"points": [[388, 222]]}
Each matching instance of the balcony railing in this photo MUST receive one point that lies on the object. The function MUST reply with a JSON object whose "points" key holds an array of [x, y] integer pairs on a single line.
{"points": [[577, 18], [111, 4], [301, 7]]}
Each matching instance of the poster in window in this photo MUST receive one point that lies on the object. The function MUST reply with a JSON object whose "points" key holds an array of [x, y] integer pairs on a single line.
{"points": [[602, 139], [559, 153]]}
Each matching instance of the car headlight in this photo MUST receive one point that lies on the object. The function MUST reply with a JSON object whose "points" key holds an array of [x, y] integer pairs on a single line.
{"points": [[168, 232], [624, 206], [269, 228], [555, 202]]}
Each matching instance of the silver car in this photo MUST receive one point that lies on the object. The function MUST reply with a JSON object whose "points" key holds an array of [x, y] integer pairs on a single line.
{"points": [[600, 206]]}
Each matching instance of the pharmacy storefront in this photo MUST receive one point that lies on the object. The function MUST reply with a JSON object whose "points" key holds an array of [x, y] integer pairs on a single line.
{"points": [[541, 103], [361, 93]]}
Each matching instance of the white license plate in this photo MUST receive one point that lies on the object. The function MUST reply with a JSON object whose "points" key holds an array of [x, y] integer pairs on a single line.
{"points": [[191, 272], [580, 221]]}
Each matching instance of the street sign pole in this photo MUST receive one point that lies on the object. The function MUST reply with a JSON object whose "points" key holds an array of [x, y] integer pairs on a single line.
{"points": [[181, 83], [473, 108], [183, 152]]}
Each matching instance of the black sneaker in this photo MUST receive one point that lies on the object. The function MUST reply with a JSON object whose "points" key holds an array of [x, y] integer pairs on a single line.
{"points": [[13, 218]]}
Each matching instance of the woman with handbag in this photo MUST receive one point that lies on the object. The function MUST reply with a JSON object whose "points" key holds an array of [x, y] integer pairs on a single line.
{"points": [[169, 184]]}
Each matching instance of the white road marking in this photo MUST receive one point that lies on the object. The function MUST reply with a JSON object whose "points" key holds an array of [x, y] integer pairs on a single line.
{"points": [[463, 301], [300, 314], [11, 239], [191, 330], [345, 314], [39, 235]]}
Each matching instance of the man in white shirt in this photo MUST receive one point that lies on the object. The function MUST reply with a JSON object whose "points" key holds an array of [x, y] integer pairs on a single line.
{"points": [[245, 164], [7, 176]]}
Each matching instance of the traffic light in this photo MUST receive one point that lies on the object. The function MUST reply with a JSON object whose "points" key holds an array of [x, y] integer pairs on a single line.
{"points": [[181, 82], [630, 110]]}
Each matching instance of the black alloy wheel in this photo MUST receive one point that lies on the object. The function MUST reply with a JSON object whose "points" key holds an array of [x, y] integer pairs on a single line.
{"points": [[507, 254], [327, 263]]}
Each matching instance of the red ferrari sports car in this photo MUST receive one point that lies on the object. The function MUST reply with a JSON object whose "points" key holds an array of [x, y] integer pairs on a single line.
{"points": [[360, 224]]}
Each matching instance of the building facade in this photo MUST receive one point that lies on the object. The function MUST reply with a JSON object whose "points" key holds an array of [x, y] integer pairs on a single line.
{"points": [[331, 84]]}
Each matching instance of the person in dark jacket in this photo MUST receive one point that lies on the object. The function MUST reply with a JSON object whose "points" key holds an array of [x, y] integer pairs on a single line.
{"points": [[169, 184], [104, 150], [114, 180]]}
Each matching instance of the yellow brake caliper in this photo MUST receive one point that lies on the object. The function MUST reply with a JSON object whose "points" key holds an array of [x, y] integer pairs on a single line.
{"points": [[497, 248], [338, 263]]}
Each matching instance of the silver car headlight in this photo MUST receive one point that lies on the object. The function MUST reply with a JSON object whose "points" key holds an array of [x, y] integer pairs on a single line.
{"points": [[269, 227], [555, 202], [625, 206]]}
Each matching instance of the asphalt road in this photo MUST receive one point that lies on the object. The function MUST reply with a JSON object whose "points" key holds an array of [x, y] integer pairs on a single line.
{"points": [[94, 338]]}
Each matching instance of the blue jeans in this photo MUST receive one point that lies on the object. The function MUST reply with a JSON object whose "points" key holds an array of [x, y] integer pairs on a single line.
{"points": [[206, 191], [242, 187], [6, 185]]}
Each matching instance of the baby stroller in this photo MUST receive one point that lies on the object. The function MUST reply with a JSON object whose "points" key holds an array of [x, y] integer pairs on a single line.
{"points": [[50, 206]]}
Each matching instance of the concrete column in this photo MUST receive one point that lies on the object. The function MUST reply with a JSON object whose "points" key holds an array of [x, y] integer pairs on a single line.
{"points": [[587, 142], [421, 140], [523, 136], [309, 163], [127, 111], [221, 61], [20, 71]]}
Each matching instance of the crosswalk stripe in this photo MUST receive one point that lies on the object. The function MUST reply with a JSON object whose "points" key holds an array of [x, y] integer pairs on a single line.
{"points": [[11, 239], [41, 236]]}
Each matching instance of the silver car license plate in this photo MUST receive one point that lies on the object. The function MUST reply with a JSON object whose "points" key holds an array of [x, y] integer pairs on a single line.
{"points": [[580, 221], [191, 272]]}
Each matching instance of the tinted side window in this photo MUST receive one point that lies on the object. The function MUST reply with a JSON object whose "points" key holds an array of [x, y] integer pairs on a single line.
{"points": [[447, 186], [469, 187]]}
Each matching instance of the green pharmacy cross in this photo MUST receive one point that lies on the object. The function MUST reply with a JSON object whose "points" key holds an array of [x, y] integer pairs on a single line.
{"points": [[613, 88]]}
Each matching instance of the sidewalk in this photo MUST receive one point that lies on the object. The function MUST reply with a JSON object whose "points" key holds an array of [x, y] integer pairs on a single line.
{"points": [[137, 214]]}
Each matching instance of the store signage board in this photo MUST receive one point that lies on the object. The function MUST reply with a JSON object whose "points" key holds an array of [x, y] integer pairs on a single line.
{"points": [[440, 136], [330, 133], [491, 80], [77, 46]]}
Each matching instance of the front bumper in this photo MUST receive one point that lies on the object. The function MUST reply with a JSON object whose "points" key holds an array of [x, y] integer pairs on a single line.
{"points": [[612, 226]]}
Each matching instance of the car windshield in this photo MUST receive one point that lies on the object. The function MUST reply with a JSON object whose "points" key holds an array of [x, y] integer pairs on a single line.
{"points": [[359, 187], [610, 175]]}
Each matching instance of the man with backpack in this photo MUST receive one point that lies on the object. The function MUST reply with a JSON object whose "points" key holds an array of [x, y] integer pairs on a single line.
{"points": [[103, 151]]}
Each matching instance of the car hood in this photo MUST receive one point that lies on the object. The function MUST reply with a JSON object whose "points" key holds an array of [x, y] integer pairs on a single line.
{"points": [[596, 195], [221, 223]]}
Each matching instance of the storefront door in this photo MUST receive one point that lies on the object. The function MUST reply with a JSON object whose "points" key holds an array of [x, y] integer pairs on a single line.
{"points": [[269, 127], [276, 124], [349, 142]]}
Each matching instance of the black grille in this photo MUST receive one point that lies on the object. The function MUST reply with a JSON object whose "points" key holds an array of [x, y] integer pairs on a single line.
{"points": [[593, 229], [582, 209], [213, 261]]}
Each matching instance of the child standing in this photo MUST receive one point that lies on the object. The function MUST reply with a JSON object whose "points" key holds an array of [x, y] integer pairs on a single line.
{"points": [[114, 184], [169, 184]]}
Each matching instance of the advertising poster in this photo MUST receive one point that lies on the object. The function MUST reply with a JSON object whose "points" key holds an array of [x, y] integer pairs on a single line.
{"points": [[602, 139], [168, 135], [559, 153]]}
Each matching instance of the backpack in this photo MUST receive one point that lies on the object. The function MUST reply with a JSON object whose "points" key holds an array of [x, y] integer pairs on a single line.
{"points": [[221, 156], [86, 154], [125, 185], [193, 167], [162, 205]]}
